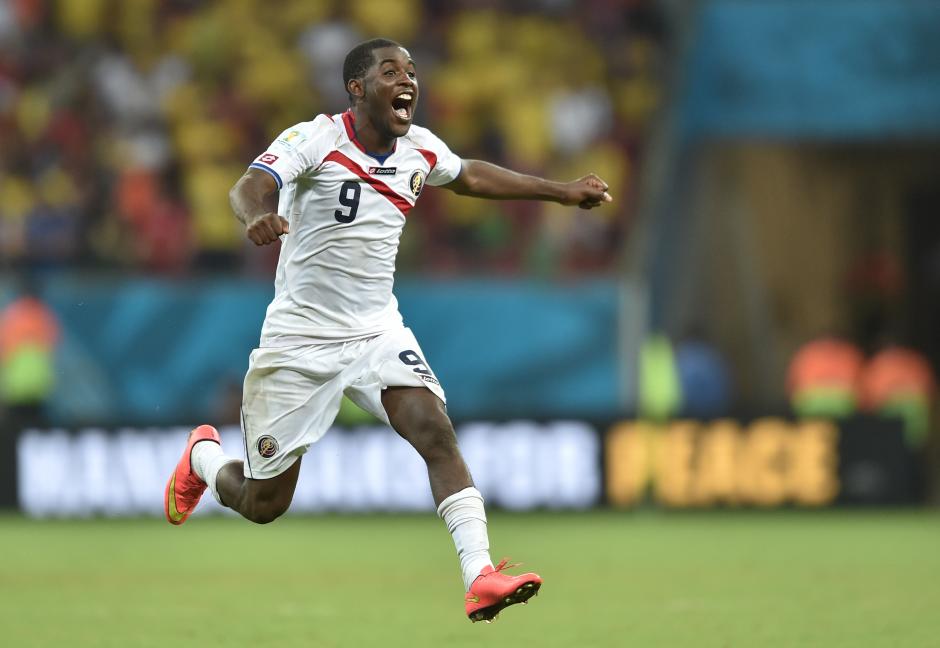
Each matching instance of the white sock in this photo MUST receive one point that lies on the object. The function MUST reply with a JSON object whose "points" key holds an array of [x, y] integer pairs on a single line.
{"points": [[207, 460], [465, 518]]}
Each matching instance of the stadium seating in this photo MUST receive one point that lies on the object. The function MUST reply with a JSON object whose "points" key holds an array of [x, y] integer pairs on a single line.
{"points": [[121, 141]]}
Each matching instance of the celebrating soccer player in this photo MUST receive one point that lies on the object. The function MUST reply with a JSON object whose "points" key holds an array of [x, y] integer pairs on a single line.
{"points": [[346, 183]]}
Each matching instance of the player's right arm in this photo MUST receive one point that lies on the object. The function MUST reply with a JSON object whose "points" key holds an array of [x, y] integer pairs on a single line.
{"points": [[296, 151], [253, 201]]}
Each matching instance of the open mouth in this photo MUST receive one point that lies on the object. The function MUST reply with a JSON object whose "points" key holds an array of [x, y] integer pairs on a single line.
{"points": [[401, 106]]}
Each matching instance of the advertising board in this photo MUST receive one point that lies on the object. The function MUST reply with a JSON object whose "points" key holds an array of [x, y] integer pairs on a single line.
{"points": [[518, 465]]}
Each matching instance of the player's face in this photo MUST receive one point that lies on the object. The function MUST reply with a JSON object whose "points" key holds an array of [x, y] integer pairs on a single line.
{"points": [[391, 91]]}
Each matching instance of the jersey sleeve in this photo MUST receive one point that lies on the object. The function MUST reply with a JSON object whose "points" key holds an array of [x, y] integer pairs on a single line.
{"points": [[296, 151], [445, 164]]}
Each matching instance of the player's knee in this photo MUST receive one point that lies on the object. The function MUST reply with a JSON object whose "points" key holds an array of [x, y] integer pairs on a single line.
{"points": [[266, 512], [263, 507], [266, 516]]}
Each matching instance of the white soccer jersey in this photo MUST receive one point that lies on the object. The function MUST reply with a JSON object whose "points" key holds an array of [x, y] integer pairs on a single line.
{"points": [[346, 211]]}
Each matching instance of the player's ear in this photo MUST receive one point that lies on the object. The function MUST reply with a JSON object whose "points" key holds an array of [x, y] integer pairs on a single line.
{"points": [[355, 88]]}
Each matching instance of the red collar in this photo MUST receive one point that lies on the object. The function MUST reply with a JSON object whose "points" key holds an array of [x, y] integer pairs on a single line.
{"points": [[350, 123]]}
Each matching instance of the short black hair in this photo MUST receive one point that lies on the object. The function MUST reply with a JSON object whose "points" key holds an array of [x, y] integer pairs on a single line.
{"points": [[360, 58]]}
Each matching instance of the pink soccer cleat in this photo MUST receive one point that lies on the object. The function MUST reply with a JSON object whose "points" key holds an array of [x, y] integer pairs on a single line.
{"points": [[184, 489], [493, 590]]}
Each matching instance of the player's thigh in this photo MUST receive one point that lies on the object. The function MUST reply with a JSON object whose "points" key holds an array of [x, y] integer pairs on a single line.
{"points": [[276, 492], [416, 412], [290, 399], [420, 418]]}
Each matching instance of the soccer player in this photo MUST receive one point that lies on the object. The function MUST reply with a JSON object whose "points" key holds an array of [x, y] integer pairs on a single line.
{"points": [[346, 182]]}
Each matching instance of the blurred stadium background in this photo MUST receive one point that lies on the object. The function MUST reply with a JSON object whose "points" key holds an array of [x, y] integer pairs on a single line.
{"points": [[752, 324]]}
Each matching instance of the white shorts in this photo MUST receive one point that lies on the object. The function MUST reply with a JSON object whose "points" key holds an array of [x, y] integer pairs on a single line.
{"points": [[293, 394]]}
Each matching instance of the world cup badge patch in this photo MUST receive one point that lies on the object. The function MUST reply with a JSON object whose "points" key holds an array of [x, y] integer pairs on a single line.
{"points": [[292, 139], [267, 446], [416, 183]]}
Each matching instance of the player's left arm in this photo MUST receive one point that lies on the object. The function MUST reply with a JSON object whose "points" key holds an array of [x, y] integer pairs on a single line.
{"points": [[485, 180]]}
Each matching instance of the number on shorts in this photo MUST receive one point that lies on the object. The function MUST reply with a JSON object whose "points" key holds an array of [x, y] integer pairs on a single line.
{"points": [[348, 197], [412, 359]]}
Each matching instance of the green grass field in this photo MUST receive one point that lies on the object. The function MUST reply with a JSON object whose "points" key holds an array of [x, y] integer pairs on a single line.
{"points": [[637, 579]]}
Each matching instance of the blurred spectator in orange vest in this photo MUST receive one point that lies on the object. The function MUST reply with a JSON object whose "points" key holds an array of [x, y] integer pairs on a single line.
{"points": [[29, 332], [823, 378], [899, 382]]}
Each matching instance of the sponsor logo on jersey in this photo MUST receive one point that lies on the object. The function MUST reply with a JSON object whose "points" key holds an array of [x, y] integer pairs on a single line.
{"points": [[416, 183], [429, 379], [267, 446], [268, 158], [383, 170]]}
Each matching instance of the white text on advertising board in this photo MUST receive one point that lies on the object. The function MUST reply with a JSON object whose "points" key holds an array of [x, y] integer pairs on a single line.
{"points": [[517, 465]]}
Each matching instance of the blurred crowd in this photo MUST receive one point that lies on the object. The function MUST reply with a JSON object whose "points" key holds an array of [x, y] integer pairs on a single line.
{"points": [[827, 377], [832, 377], [123, 123]]}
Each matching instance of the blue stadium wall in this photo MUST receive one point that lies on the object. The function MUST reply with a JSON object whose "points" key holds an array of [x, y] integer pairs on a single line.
{"points": [[147, 351], [814, 69]]}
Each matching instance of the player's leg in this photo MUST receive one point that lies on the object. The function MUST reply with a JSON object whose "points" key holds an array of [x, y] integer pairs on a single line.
{"points": [[290, 399], [397, 385], [204, 465], [419, 416], [258, 500]]}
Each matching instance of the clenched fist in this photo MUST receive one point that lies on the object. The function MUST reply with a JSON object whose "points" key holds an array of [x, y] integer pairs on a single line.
{"points": [[587, 192], [267, 228]]}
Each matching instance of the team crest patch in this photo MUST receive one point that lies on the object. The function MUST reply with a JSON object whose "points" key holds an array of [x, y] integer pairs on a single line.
{"points": [[416, 183], [267, 446]]}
